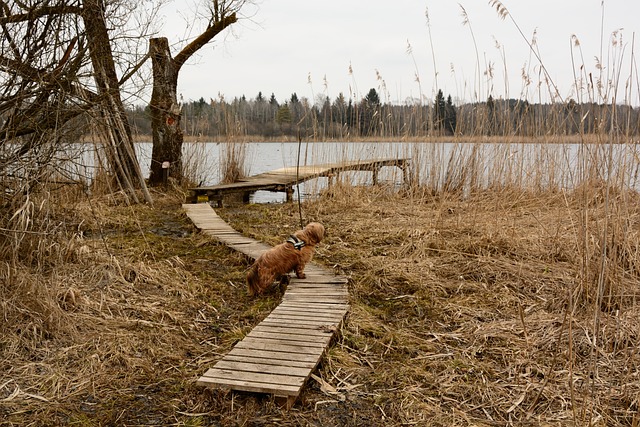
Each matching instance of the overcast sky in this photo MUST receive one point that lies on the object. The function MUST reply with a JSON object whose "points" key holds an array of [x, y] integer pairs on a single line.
{"points": [[329, 47]]}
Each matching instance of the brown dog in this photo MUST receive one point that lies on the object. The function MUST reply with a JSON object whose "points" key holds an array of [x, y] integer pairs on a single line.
{"points": [[294, 254]]}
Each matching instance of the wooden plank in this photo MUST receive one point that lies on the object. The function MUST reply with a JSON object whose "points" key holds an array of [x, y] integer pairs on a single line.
{"points": [[304, 320], [319, 306], [282, 346], [256, 246], [255, 377], [309, 318], [325, 315], [338, 313], [324, 279], [265, 361], [291, 329], [262, 343], [311, 298], [291, 306], [234, 365], [319, 326], [315, 340], [233, 384], [320, 294], [341, 297], [323, 310], [274, 354], [314, 279], [234, 240]]}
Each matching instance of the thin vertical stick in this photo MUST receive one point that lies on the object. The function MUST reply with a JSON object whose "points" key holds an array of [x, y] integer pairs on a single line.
{"points": [[298, 181]]}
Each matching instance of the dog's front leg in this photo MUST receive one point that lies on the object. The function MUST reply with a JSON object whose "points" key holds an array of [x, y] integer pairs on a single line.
{"points": [[300, 271]]}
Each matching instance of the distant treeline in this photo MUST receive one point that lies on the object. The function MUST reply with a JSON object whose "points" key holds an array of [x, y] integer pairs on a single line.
{"points": [[343, 119]]}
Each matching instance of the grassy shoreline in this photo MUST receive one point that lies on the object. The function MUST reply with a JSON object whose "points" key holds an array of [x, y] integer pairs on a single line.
{"points": [[496, 139], [465, 311]]}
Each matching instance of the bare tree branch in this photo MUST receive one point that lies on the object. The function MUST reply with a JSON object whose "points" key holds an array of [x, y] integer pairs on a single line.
{"points": [[40, 12], [204, 38]]}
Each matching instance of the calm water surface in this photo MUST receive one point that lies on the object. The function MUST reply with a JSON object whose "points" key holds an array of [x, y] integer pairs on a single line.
{"points": [[539, 166], [262, 157]]}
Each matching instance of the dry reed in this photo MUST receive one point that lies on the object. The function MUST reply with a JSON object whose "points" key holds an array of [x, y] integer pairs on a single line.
{"points": [[473, 310]]}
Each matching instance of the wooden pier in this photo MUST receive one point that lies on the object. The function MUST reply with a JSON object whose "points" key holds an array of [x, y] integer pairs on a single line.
{"points": [[283, 180], [279, 354]]}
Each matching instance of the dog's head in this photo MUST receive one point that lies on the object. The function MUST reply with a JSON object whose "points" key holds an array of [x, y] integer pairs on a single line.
{"points": [[313, 233]]}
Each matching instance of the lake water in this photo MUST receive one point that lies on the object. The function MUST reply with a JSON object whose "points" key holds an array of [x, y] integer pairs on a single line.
{"points": [[538, 166], [204, 159]]}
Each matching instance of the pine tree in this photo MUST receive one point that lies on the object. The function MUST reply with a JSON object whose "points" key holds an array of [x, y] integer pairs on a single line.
{"points": [[450, 116], [439, 108], [283, 115], [372, 98], [491, 115]]}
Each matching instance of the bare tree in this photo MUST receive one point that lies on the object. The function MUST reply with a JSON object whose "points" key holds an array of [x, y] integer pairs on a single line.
{"points": [[56, 65], [165, 109], [118, 131]]}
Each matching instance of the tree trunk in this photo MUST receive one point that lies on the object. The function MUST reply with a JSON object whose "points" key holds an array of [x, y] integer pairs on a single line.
{"points": [[165, 110], [121, 152], [165, 113]]}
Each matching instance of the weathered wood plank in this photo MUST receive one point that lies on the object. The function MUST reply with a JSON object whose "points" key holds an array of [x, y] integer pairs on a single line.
{"points": [[237, 366], [319, 306], [255, 377], [318, 293], [284, 346], [312, 298], [318, 326], [310, 318], [291, 330], [317, 340], [314, 279], [266, 361], [324, 315], [273, 354], [291, 306], [242, 385]]}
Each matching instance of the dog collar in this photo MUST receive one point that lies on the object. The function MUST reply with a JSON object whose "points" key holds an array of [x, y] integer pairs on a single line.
{"points": [[297, 243]]}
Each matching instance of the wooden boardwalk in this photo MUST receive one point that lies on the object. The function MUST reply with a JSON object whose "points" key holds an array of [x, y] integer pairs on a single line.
{"points": [[283, 180], [279, 354]]}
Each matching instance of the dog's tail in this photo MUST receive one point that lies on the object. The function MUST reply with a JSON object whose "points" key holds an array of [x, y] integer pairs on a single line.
{"points": [[252, 280]]}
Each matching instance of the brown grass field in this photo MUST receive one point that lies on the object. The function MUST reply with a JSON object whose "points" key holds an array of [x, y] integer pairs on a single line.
{"points": [[498, 308]]}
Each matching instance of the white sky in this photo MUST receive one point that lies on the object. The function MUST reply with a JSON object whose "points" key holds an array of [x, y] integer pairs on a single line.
{"points": [[287, 42]]}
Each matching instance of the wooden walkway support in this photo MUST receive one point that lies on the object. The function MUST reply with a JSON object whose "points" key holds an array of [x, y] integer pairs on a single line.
{"points": [[283, 180], [279, 354]]}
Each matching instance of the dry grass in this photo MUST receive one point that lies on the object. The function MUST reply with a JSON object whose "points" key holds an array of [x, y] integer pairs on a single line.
{"points": [[118, 333], [482, 310], [473, 312], [233, 162]]}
